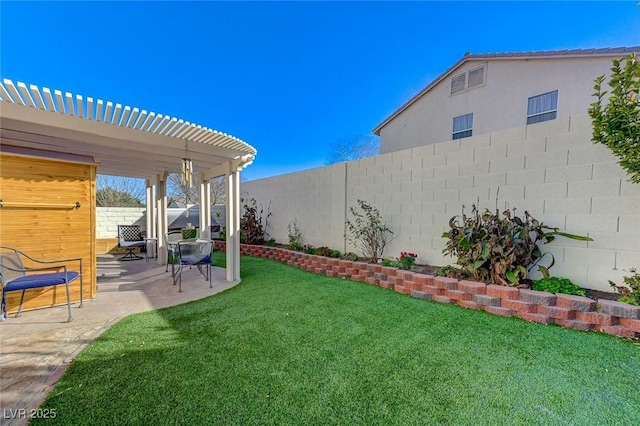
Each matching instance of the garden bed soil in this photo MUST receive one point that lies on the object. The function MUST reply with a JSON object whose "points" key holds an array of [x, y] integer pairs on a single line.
{"points": [[592, 294], [596, 294]]}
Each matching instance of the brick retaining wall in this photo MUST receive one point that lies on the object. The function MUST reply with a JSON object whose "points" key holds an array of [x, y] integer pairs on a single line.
{"points": [[580, 313]]}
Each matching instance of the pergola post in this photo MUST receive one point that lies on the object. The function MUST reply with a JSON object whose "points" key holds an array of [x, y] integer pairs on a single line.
{"points": [[205, 206], [162, 225], [151, 226], [233, 224]]}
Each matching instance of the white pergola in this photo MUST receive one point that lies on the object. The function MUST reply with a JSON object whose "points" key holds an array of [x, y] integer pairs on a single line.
{"points": [[130, 142]]}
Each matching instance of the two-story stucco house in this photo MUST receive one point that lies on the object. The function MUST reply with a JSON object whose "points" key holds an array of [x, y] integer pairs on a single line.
{"points": [[484, 93]]}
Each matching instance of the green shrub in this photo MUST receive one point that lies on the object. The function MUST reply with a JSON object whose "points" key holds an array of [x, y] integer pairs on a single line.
{"points": [[271, 242], [350, 256], [388, 262], [368, 232], [500, 250], [558, 285], [335, 253], [617, 124], [451, 272], [323, 251], [295, 236], [407, 260], [631, 294], [320, 251]]}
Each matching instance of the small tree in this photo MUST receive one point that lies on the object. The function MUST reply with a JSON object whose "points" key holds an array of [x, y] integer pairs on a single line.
{"points": [[295, 236], [617, 124], [116, 191], [368, 232], [191, 195], [353, 148], [252, 228]]}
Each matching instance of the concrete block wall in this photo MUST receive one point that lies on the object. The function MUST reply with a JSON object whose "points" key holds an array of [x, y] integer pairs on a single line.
{"points": [[551, 169], [315, 199], [108, 219]]}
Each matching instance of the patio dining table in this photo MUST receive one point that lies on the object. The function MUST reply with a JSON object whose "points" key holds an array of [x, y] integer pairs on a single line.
{"points": [[172, 248]]}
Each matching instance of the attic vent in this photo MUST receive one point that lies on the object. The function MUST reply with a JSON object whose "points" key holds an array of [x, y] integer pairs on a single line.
{"points": [[458, 83], [476, 77], [469, 80]]}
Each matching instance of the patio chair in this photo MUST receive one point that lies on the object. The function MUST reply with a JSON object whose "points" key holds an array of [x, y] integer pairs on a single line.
{"points": [[14, 276], [130, 237], [172, 238], [194, 253]]}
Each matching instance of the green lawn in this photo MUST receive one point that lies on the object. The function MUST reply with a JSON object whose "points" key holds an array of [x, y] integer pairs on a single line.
{"points": [[290, 347]]}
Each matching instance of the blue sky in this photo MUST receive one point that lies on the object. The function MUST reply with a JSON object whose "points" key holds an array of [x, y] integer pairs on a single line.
{"points": [[290, 78]]}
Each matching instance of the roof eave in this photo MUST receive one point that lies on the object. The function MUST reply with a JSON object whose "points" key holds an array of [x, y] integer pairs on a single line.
{"points": [[378, 128]]}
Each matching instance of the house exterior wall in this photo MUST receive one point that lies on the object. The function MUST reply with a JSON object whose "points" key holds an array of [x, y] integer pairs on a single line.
{"points": [[501, 103], [551, 169], [45, 229]]}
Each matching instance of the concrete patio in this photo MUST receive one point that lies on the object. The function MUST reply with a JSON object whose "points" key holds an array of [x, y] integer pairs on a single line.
{"points": [[36, 348]]}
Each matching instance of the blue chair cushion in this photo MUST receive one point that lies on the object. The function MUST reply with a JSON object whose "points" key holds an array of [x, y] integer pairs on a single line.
{"points": [[40, 280], [127, 244], [195, 260]]}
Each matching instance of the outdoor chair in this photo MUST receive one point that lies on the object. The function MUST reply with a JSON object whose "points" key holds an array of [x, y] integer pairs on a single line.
{"points": [[172, 238], [194, 253], [14, 276], [130, 237]]}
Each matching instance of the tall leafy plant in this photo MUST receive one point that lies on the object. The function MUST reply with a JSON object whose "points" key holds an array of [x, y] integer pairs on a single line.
{"points": [[500, 250], [295, 235], [253, 227], [617, 124], [368, 232]]}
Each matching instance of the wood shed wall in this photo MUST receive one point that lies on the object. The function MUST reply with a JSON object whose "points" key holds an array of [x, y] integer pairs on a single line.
{"points": [[43, 227]]}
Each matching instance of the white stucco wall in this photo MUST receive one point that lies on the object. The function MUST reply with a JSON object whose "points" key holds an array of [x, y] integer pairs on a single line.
{"points": [[550, 169], [499, 104]]}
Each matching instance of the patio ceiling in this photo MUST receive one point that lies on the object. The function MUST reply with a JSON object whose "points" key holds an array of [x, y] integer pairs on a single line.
{"points": [[124, 140]]}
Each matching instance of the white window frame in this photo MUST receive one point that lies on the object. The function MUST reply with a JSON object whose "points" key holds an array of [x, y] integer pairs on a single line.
{"points": [[465, 130], [545, 113]]}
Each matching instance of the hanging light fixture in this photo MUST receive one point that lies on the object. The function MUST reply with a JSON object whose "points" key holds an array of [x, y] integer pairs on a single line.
{"points": [[187, 168]]}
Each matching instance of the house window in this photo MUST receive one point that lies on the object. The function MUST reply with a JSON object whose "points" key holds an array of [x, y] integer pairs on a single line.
{"points": [[542, 107], [462, 126]]}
